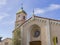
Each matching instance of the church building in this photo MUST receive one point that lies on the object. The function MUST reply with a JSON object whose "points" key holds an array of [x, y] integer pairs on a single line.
{"points": [[36, 30]]}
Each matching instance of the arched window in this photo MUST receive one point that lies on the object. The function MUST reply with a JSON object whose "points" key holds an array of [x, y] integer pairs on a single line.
{"points": [[18, 15], [23, 17], [35, 30]]}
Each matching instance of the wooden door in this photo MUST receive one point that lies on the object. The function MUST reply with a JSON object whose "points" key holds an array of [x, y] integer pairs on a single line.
{"points": [[35, 43]]}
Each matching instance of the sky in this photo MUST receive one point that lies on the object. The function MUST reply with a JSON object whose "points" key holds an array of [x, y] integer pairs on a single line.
{"points": [[9, 8]]}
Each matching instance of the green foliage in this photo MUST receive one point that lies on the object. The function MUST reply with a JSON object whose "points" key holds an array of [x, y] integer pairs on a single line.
{"points": [[54, 40], [17, 37]]}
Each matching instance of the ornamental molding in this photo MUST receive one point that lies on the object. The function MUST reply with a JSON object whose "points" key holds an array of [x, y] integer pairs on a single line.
{"points": [[36, 19], [55, 23]]}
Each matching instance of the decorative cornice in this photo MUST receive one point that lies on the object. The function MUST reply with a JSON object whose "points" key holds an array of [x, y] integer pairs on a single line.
{"points": [[40, 19], [55, 23]]}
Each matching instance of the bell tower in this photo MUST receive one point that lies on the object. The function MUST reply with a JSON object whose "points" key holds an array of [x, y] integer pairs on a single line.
{"points": [[20, 17]]}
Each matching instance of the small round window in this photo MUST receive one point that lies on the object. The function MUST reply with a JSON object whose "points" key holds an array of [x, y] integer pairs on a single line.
{"points": [[36, 33]]}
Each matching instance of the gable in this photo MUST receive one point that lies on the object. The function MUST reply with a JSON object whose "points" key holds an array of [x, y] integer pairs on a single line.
{"points": [[35, 19]]}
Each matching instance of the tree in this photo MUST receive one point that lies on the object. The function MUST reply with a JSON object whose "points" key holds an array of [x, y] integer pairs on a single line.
{"points": [[17, 37]]}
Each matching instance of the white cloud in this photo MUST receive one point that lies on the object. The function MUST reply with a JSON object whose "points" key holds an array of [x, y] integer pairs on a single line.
{"points": [[3, 15], [39, 11], [54, 7], [2, 3], [50, 8]]}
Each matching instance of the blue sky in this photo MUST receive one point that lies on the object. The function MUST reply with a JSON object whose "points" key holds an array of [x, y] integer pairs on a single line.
{"points": [[8, 9]]}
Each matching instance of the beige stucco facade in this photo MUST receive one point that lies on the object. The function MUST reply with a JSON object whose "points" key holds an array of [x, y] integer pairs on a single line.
{"points": [[55, 31], [7, 41], [27, 36], [48, 30]]}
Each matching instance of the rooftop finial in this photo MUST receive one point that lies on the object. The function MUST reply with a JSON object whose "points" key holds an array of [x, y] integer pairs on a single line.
{"points": [[22, 6], [33, 15], [33, 11]]}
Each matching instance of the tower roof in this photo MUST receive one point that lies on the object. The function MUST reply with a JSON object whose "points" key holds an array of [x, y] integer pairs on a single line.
{"points": [[21, 11]]}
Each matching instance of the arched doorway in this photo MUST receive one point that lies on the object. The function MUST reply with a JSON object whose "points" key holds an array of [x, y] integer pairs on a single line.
{"points": [[35, 35]]}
